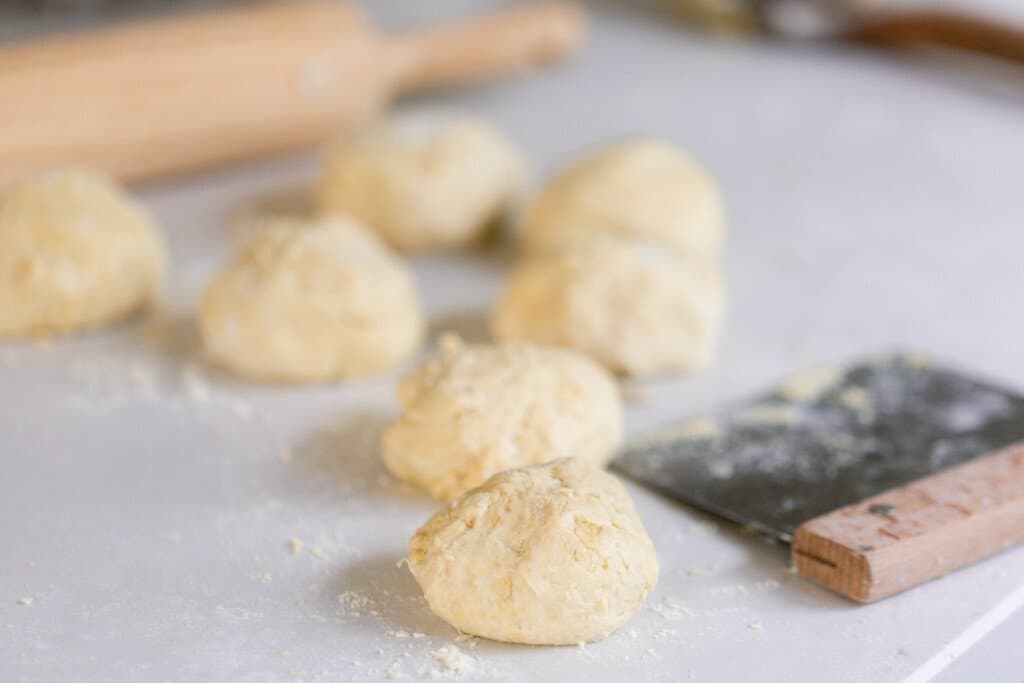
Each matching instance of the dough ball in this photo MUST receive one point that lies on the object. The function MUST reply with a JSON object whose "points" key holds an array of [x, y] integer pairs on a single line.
{"points": [[644, 188], [634, 306], [75, 252], [473, 411], [552, 554], [423, 184], [306, 301]]}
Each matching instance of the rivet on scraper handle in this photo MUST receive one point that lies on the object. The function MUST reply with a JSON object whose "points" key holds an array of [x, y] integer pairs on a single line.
{"points": [[918, 532]]}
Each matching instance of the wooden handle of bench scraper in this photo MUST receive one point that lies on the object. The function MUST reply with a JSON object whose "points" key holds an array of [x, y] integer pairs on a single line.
{"points": [[917, 532], [162, 96], [913, 29]]}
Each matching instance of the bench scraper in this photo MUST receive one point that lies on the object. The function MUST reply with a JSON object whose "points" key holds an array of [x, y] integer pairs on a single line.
{"points": [[881, 475]]}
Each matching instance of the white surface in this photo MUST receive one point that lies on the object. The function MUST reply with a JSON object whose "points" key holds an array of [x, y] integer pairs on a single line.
{"points": [[871, 204], [981, 627], [997, 658]]}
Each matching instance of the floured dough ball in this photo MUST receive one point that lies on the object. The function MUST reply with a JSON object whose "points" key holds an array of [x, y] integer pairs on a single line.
{"points": [[646, 188], [473, 411], [422, 183], [75, 252], [306, 301], [552, 554], [634, 306]]}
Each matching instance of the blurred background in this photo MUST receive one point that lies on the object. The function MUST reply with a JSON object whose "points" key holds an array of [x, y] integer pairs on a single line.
{"points": [[872, 177]]}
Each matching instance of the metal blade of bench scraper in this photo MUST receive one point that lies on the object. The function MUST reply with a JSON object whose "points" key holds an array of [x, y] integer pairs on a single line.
{"points": [[825, 439]]}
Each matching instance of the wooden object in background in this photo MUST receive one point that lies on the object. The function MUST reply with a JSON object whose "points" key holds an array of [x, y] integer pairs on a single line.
{"points": [[919, 29], [918, 532], [158, 97]]}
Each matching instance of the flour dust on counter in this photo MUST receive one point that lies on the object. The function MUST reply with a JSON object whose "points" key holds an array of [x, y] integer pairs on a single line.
{"points": [[144, 527], [301, 568]]}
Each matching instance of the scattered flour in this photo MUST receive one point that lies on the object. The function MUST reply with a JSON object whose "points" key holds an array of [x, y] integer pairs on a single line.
{"points": [[743, 589], [777, 414], [702, 428], [354, 604], [696, 429], [856, 399], [702, 528], [194, 385], [669, 608], [450, 662], [707, 570], [721, 469], [106, 383], [738, 589], [144, 379], [916, 359], [103, 383], [811, 384], [241, 409]]}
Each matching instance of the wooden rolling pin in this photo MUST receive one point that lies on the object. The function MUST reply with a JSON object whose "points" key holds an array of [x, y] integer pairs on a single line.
{"points": [[163, 96]]}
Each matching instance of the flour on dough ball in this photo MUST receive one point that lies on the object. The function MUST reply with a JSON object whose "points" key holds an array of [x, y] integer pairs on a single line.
{"points": [[307, 301], [473, 411], [634, 306], [645, 188], [422, 183], [75, 252], [552, 554]]}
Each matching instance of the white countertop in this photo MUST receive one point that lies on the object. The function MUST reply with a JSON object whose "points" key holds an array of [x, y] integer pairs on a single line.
{"points": [[872, 203]]}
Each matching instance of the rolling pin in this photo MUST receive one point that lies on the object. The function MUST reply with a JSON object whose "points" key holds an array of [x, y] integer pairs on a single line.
{"points": [[164, 96]]}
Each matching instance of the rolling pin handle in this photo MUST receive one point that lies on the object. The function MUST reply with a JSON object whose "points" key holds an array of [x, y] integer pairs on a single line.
{"points": [[507, 41]]}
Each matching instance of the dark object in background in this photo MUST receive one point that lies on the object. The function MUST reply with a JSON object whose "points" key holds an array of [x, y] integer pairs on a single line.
{"points": [[874, 23], [871, 437], [94, 6]]}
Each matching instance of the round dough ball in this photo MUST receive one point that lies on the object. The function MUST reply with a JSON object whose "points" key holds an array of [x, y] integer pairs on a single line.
{"points": [[644, 188], [75, 252], [634, 306], [306, 301], [422, 184], [552, 554], [473, 411]]}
